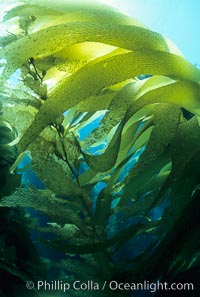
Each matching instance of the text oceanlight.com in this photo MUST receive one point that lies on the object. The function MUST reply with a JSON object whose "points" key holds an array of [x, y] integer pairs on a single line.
{"points": [[113, 285]]}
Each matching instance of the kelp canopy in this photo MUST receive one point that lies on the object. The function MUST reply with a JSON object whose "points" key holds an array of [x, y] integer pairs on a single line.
{"points": [[109, 113]]}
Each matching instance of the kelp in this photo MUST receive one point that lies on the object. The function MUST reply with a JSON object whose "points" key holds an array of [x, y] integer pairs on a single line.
{"points": [[101, 106], [32, 199], [72, 33], [72, 92], [161, 137]]}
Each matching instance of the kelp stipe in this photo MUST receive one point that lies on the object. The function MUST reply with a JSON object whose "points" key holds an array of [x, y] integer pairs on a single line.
{"points": [[74, 63]]}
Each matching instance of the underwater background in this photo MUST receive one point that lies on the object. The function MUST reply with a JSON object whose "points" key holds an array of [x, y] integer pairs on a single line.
{"points": [[99, 151]]}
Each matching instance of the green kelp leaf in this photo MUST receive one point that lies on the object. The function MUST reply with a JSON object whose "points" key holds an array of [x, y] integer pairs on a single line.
{"points": [[29, 10], [86, 121], [141, 179], [86, 51], [135, 142], [134, 134], [20, 116], [153, 185], [162, 134], [153, 82], [90, 177], [127, 142], [166, 121], [52, 15], [142, 139], [116, 111], [81, 8], [187, 141], [67, 232], [182, 222], [142, 206], [103, 209], [106, 161], [51, 166], [137, 208], [57, 68], [45, 201], [181, 214], [87, 176], [105, 99], [69, 118], [14, 166], [97, 246], [141, 135], [60, 36], [18, 95], [85, 16], [77, 87], [184, 148], [183, 93], [66, 182], [70, 33], [68, 145], [112, 185], [7, 39], [36, 86], [69, 60], [150, 228], [75, 122], [95, 103], [109, 97]]}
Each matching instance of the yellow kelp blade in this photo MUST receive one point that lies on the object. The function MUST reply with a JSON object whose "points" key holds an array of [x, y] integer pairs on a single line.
{"points": [[183, 93], [132, 141], [166, 121], [63, 185], [26, 10], [106, 161], [187, 140], [58, 37], [67, 61], [116, 111], [29, 18], [101, 103], [92, 78], [154, 82]]}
